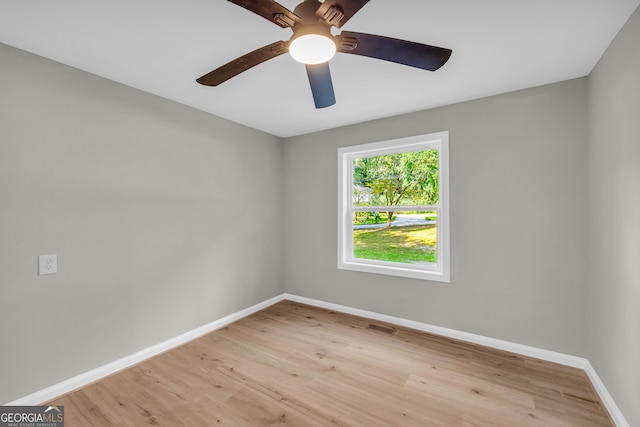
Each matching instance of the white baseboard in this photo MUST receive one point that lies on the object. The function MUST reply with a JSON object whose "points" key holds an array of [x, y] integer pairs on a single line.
{"points": [[551, 356], [606, 398], [94, 375], [81, 380]]}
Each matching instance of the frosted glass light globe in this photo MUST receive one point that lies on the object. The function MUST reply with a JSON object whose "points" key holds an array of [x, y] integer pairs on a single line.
{"points": [[312, 49]]}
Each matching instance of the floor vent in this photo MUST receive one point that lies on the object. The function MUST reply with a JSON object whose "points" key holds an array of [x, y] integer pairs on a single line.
{"points": [[385, 329]]}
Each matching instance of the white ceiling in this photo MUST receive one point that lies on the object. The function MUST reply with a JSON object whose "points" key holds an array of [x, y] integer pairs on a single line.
{"points": [[162, 46]]}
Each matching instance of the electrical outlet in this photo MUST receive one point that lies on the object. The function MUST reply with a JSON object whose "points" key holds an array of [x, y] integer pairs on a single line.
{"points": [[48, 264]]}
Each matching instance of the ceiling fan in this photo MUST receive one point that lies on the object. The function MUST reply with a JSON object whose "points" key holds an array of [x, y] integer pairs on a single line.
{"points": [[313, 44]]}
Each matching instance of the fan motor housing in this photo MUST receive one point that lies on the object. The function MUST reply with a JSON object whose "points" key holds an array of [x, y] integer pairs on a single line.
{"points": [[307, 11], [310, 23], [303, 30]]}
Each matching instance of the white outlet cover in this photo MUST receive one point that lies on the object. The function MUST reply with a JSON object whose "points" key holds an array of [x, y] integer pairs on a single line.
{"points": [[48, 264]]}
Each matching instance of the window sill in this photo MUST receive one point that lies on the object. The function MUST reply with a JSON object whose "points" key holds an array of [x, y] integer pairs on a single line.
{"points": [[394, 269]]}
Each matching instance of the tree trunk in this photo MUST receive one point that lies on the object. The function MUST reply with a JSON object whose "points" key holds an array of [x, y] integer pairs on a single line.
{"points": [[389, 217]]}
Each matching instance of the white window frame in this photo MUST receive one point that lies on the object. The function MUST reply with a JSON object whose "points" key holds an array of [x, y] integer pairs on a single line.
{"points": [[346, 155]]}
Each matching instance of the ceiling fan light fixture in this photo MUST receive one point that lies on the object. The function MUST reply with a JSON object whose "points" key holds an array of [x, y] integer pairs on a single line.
{"points": [[312, 49], [314, 44]]}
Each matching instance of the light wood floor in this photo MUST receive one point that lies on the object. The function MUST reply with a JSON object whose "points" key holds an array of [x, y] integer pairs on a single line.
{"points": [[305, 366]]}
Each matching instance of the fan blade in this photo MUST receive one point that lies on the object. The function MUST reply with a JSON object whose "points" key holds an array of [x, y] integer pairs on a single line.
{"points": [[388, 49], [270, 10], [321, 84], [337, 12], [238, 65]]}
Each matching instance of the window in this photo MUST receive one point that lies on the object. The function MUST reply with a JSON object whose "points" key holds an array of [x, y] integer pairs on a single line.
{"points": [[393, 207]]}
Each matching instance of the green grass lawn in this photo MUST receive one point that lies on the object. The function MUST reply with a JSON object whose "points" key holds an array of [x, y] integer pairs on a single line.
{"points": [[411, 244]]}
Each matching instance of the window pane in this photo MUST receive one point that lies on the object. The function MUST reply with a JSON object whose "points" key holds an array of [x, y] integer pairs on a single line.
{"points": [[402, 179], [408, 238]]}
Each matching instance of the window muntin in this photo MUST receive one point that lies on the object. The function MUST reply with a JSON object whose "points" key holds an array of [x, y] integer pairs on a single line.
{"points": [[407, 178]]}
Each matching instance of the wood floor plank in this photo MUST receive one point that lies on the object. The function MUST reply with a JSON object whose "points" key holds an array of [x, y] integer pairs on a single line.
{"points": [[306, 366]]}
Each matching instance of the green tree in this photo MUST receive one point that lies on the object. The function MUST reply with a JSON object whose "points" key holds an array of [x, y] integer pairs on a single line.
{"points": [[409, 178]]}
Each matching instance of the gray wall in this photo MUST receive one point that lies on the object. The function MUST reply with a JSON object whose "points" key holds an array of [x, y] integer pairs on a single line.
{"points": [[150, 207], [614, 148], [519, 211]]}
